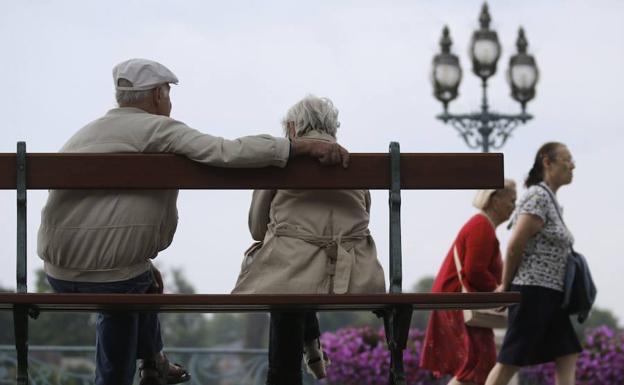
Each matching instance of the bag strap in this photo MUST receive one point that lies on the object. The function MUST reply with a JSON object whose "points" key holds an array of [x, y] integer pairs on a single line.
{"points": [[458, 266], [554, 202]]}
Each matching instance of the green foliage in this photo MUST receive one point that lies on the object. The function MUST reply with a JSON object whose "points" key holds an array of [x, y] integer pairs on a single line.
{"points": [[41, 284], [225, 328], [51, 328], [424, 284], [180, 284], [331, 321], [602, 317], [6, 324], [420, 318], [598, 317], [183, 329], [60, 328], [256, 330], [198, 330]]}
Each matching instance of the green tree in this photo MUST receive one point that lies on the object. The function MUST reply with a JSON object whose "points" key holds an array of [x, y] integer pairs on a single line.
{"points": [[179, 329], [225, 328], [256, 330], [6, 324], [331, 321], [420, 318], [183, 329], [199, 330], [424, 284], [597, 317], [52, 328]]}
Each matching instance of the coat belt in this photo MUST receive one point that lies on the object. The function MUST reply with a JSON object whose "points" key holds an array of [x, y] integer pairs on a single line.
{"points": [[339, 260]]}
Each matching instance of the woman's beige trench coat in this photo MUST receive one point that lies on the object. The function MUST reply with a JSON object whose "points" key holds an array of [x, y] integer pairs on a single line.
{"points": [[313, 241]]}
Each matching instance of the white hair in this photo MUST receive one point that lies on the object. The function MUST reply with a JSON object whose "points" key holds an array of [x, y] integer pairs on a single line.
{"points": [[313, 114], [130, 98]]}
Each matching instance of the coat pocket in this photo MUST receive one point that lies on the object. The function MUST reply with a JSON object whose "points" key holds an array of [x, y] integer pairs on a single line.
{"points": [[250, 254]]}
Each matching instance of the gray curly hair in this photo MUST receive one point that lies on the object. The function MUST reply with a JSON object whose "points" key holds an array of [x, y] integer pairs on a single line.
{"points": [[313, 114]]}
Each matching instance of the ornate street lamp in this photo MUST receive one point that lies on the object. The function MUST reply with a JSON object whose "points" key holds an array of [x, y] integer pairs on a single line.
{"points": [[484, 129], [484, 47], [446, 72], [522, 74]]}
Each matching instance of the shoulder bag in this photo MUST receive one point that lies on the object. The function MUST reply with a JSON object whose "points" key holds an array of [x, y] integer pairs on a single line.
{"points": [[483, 318]]}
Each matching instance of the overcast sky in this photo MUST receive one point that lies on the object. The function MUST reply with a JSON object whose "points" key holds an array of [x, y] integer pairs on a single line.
{"points": [[241, 64]]}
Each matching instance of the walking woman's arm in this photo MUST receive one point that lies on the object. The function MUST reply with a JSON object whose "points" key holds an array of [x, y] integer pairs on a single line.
{"points": [[527, 226]]}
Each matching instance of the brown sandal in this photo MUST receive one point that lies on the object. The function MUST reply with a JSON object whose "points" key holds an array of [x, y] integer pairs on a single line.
{"points": [[180, 377], [153, 373], [159, 373]]}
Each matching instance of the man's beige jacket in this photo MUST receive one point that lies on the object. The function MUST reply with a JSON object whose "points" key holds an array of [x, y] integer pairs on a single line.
{"points": [[111, 235]]}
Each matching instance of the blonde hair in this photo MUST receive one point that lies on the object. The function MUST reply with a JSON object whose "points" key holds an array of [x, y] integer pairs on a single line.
{"points": [[482, 197]]}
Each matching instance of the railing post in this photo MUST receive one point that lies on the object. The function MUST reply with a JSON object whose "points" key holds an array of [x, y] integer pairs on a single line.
{"points": [[396, 274], [21, 217], [20, 313], [397, 318], [397, 321]]}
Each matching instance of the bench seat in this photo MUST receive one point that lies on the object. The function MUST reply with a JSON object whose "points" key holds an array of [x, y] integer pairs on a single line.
{"points": [[212, 303]]}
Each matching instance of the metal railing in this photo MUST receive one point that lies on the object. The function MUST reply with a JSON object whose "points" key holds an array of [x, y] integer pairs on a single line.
{"points": [[75, 365]]}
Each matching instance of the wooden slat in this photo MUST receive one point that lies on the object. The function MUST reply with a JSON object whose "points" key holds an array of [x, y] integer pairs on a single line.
{"points": [[210, 303], [418, 171]]}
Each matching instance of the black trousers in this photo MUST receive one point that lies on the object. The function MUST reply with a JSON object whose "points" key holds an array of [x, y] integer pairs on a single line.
{"points": [[287, 334]]}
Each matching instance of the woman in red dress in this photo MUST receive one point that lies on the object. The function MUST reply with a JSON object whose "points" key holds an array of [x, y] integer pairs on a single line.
{"points": [[451, 347]]}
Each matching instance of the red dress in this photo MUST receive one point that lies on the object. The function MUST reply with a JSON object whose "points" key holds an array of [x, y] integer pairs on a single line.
{"points": [[450, 347]]}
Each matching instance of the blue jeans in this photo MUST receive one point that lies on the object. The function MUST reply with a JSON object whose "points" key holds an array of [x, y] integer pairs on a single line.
{"points": [[121, 337]]}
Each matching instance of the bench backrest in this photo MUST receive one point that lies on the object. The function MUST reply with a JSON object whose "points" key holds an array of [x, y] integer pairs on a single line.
{"points": [[393, 171]]}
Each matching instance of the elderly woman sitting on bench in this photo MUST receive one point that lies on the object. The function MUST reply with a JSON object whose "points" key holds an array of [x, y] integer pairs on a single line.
{"points": [[310, 242]]}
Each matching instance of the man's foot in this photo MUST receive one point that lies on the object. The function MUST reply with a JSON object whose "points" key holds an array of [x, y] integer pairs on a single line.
{"points": [[161, 372], [152, 372], [177, 374], [316, 359]]}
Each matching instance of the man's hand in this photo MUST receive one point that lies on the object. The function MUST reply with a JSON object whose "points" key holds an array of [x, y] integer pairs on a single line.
{"points": [[327, 153], [157, 285]]}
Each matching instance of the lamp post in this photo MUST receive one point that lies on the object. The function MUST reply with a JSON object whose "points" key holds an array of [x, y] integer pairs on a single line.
{"points": [[485, 129]]}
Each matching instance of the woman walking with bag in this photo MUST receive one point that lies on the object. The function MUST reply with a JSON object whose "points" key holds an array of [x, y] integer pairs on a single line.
{"points": [[539, 329], [473, 263]]}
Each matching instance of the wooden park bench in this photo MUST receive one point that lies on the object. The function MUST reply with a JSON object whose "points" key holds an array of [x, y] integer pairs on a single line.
{"points": [[394, 171]]}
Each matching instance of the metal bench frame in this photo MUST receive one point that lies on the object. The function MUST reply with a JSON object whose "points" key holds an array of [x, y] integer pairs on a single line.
{"points": [[395, 308]]}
